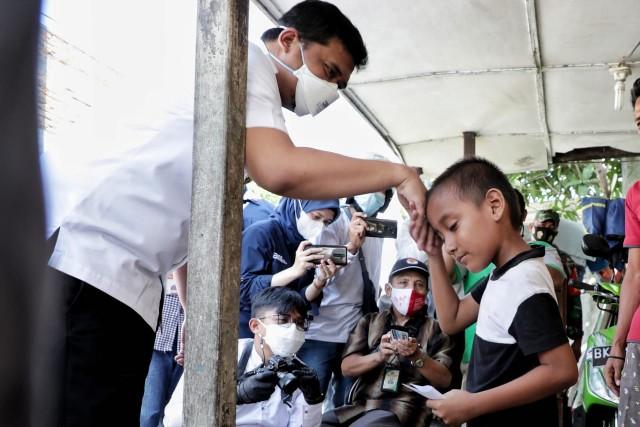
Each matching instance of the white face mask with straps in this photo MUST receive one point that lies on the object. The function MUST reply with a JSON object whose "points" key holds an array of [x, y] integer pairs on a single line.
{"points": [[313, 94], [307, 227], [283, 340]]}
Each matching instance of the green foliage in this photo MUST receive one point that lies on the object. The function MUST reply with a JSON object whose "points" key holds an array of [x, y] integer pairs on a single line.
{"points": [[263, 194], [562, 186]]}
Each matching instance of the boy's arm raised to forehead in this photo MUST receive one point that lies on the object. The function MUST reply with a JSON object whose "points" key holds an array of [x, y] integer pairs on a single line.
{"points": [[453, 314]]}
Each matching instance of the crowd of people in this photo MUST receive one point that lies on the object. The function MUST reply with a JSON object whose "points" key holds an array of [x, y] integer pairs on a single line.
{"points": [[349, 362], [488, 321]]}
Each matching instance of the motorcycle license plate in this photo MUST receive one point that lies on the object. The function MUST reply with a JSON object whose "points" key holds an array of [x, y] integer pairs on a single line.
{"points": [[599, 356]]}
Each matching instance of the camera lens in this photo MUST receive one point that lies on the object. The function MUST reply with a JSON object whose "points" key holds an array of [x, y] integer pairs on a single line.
{"points": [[287, 382]]}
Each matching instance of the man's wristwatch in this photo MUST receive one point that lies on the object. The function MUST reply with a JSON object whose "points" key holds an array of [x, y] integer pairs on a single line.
{"points": [[418, 362]]}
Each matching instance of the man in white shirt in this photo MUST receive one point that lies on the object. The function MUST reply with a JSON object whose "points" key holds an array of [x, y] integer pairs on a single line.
{"points": [[131, 228], [279, 317]]}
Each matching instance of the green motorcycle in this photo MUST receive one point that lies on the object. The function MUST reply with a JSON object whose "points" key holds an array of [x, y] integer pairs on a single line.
{"points": [[594, 404]]}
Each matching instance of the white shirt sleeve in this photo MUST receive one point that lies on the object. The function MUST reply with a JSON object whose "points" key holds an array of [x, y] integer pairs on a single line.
{"points": [[264, 107], [303, 414]]}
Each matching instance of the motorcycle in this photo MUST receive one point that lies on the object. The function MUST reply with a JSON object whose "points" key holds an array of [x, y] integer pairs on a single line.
{"points": [[594, 404]]}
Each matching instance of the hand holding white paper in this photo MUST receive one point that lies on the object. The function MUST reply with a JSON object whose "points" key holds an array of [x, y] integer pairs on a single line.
{"points": [[425, 390]]}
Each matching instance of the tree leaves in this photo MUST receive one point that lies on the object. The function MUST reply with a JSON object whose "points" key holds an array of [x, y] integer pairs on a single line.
{"points": [[562, 186]]}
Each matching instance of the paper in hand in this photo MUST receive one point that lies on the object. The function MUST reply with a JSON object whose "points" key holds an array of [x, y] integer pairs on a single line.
{"points": [[425, 390]]}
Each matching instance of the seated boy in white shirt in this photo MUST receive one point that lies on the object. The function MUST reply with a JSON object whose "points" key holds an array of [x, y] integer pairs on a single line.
{"points": [[274, 387]]}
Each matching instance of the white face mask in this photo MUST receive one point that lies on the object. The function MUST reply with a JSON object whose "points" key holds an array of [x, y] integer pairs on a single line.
{"points": [[283, 340], [307, 227], [370, 203], [313, 94]]}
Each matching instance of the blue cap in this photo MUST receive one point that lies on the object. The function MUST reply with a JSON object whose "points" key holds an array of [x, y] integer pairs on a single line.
{"points": [[405, 264]]}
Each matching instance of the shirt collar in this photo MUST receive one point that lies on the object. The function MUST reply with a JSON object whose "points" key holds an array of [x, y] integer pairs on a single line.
{"points": [[255, 360], [536, 252]]}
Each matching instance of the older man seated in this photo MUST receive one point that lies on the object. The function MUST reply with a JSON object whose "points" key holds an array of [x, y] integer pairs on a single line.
{"points": [[394, 347]]}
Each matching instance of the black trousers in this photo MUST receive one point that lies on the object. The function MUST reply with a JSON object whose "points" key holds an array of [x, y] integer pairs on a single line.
{"points": [[106, 356]]}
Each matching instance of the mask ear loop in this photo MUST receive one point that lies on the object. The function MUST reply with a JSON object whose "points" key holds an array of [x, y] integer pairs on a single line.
{"points": [[291, 70]]}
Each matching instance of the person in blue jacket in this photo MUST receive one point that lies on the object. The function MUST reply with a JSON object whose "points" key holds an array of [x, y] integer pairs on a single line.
{"points": [[275, 253], [254, 208]]}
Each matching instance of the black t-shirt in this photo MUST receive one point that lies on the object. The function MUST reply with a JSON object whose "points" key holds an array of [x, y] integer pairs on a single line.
{"points": [[518, 319]]}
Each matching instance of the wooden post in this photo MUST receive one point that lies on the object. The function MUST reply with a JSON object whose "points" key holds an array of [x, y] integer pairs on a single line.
{"points": [[469, 144], [216, 213], [28, 306]]}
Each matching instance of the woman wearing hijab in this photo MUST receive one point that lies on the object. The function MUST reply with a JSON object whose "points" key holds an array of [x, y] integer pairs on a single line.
{"points": [[274, 252]]}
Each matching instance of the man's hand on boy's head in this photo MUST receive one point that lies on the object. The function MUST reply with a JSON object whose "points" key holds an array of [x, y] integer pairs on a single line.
{"points": [[418, 227], [456, 407], [412, 193]]}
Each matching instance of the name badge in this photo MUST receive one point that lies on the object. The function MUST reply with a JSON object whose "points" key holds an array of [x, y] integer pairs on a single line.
{"points": [[391, 380]]}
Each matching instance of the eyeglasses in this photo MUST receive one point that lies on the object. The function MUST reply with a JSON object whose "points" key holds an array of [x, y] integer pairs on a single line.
{"points": [[284, 319]]}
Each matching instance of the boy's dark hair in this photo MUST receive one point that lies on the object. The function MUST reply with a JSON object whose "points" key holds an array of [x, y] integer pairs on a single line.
{"points": [[521, 203], [471, 178], [319, 21], [635, 92], [283, 300]]}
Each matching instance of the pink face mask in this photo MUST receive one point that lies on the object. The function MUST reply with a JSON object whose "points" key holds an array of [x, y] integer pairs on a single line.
{"points": [[407, 301]]}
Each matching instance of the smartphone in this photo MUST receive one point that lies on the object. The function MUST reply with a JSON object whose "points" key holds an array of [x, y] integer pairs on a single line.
{"points": [[399, 334], [382, 228], [337, 254]]}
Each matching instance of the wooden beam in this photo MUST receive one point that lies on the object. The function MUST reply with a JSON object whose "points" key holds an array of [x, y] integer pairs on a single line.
{"points": [[591, 153], [469, 144], [216, 213]]}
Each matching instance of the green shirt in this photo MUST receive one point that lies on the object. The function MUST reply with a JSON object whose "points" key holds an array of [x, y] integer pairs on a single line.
{"points": [[469, 281]]}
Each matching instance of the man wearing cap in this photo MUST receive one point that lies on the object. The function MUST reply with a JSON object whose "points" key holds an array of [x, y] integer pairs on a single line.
{"points": [[544, 230], [396, 346]]}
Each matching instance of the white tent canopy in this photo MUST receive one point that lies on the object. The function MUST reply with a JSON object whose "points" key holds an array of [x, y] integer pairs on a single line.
{"points": [[529, 77]]}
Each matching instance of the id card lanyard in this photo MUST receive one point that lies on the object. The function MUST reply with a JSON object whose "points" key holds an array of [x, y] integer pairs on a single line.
{"points": [[391, 377]]}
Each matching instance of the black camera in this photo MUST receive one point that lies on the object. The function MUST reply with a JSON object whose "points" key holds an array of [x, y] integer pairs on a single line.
{"points": [[283, 367]]}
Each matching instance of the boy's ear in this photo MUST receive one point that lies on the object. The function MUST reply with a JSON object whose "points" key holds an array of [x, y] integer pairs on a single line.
{"points": [[496, 203]]}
